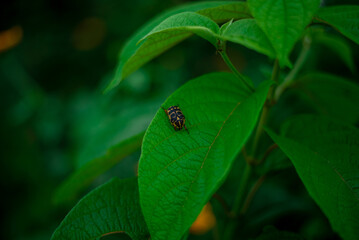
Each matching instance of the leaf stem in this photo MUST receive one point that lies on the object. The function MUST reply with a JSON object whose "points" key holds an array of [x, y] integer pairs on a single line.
{"points": [[303, 55], [234, 70]]}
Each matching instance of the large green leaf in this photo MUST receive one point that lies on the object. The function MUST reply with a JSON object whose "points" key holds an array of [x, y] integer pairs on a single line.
{"points": [[179, 172], [217, 11], [283, 21], [247, 33], [111, 208], [325, 155], [331, 95], [345, 19], [82, 178]]}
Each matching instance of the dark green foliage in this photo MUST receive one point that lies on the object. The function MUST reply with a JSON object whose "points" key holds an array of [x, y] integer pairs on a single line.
{"points": [[110, 208], [272, 141]]}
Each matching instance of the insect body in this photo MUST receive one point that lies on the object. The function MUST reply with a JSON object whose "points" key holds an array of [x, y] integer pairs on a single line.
{"points": [[176, 117]]}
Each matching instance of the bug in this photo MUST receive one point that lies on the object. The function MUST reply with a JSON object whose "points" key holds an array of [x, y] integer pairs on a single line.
{"points": [[177, 119]]}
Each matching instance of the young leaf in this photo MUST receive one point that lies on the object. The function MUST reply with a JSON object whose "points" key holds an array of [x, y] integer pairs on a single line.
{"points": [[179, 171], [217, 11], [247, 33], [319, 89], [181, 23], [111, 208], [344, 19], [168, 33], [325, 155], [81, 178], [224, 12], [283, 22]]}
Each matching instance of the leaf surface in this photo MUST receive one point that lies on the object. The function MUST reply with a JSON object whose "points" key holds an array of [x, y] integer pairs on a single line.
{"points": [[283, 22], [186, 22], [111, 208], [82, 177], [250, 35], [179, 172], [344, 18], [325, 154], [219, 11]]}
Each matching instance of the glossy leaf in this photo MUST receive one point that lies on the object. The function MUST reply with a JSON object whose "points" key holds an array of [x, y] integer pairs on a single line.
{"points": [[179, 172], [283, 22], [82, 178], [111, 208], [344, 19], [331, 95], [248, 33], [325, 154], [217, 11]]}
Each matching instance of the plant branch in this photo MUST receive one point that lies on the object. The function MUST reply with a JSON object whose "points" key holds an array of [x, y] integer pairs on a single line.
{"points": [[264, 115], [267, 153], [303, 55], [234, 70], [223, 204], [243, 185], [251, 194]]}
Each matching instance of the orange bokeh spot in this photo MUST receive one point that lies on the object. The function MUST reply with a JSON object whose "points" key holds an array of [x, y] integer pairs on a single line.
{"points": [[10, 38], [204, 222]]}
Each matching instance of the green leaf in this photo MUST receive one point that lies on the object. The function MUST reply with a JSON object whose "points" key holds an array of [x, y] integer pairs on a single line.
{"points": [[227, 11], [271, 233], [177, 25], [115, 127], [179, 172], [344, 19], [283, 22], [338, 45], [82, 178], [325, 155], [331, 95], [217, 11], [247, 33], [111, 208]]}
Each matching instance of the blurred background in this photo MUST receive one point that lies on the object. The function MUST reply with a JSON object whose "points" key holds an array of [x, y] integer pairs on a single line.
{"points": [[57, 56]]}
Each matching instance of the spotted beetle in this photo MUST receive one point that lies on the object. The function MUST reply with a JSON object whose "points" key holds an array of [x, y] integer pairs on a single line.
{"points": [[177, 119]]}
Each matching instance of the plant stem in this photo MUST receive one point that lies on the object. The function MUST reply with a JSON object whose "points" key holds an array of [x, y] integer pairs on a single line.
{"points": [[251, 194], [244, 182], [242, 189], [303, 55], [264, 115], [235, 71], [238, 202]]}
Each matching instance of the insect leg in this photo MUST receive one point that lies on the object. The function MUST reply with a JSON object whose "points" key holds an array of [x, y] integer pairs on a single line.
{"points": [[186, 128], [164, 110]]}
